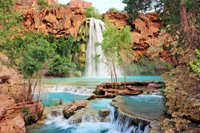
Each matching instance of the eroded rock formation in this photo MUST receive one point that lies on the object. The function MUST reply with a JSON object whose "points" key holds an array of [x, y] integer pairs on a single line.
{"points": [[132, 88], [70, 109], [32, 4], [145, 33], [83, 5], [119, 19], [14, 117], [58, 21]]}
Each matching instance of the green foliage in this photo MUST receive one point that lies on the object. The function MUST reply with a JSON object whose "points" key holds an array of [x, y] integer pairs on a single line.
{"points": [[9, 21], [135, 6], [42, 3], [112, 9], [25, 110], [35, 55], [182, 96], [195, 65], [64, 46], [145, 66], [6, 6], [61, 66], [31, 51], [116, 46], [171, 14], [92, 12]]}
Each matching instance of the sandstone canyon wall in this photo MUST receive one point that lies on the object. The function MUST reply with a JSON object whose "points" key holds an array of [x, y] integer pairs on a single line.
{"points": [[14, 116], [26, 5], [58, 21], [145, 33]]}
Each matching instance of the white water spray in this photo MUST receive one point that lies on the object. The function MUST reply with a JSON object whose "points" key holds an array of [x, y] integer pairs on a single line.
{"points": [[94, 68]]}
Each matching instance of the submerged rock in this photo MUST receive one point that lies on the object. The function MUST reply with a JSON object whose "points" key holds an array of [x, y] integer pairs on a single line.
{"points": [[104, 112]]}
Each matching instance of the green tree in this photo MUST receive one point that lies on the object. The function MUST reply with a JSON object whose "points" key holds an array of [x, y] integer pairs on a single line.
{"points": [[64, 46], [61, 66], [116, 47], [9, 21], [34, 59], [135, 6], [112, 9], [195, 65], [93, 12], [126, 52], [6, 6]]}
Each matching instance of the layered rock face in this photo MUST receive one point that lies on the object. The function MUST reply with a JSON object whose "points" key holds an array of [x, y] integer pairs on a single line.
{"points": [[14, 117], [10, 80], [145, 33], [31, 4], [83, 5], [9, 121], [58, 22]]}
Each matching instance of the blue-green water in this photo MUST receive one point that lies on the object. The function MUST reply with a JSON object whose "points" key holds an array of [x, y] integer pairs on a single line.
{"points": [[93, 81], [141, 105], [53, 98], [100, 104], [145, 106]]}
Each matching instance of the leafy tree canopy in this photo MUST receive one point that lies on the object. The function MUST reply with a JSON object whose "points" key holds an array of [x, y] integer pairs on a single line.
{"points": [[93, 12], [135, 6]]}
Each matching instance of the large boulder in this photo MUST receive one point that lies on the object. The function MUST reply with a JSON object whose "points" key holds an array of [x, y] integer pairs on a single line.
{"points": [[70, 109]]}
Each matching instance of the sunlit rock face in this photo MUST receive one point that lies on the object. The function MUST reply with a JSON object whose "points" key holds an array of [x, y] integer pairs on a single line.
{"points": [[31, 4], [146, 32], [58, 21], [83, 5], [119, 19], [14, 116]]}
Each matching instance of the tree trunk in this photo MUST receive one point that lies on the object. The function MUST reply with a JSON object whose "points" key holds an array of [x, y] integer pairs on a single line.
{"points": [[39, 91], [184, 20], [114, 69], [124, 77], [111, 74], [29, 95]]}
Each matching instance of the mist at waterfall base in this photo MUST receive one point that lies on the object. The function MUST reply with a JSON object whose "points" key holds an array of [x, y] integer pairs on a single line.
{"points": [[91, 124]]}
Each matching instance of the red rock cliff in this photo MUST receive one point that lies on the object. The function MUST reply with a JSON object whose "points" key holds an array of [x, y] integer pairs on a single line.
{"points": [[83, 5], [58, 21], [145, 33], [31, 4]]}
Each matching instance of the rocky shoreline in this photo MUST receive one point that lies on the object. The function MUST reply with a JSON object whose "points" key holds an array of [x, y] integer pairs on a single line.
{"points": [[15, 116]]}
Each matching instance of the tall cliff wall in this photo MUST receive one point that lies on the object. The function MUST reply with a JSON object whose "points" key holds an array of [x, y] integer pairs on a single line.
{"points": [[146, 33], [58, 21], [26, 5]]}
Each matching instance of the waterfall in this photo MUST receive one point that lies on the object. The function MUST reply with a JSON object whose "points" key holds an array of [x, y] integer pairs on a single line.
{"points": [[90, 121], [94, 68], [129, 124]]}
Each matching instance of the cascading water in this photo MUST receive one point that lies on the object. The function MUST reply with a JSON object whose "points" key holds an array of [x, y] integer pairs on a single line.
{"points": [[94, 68], [89, 121]]}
